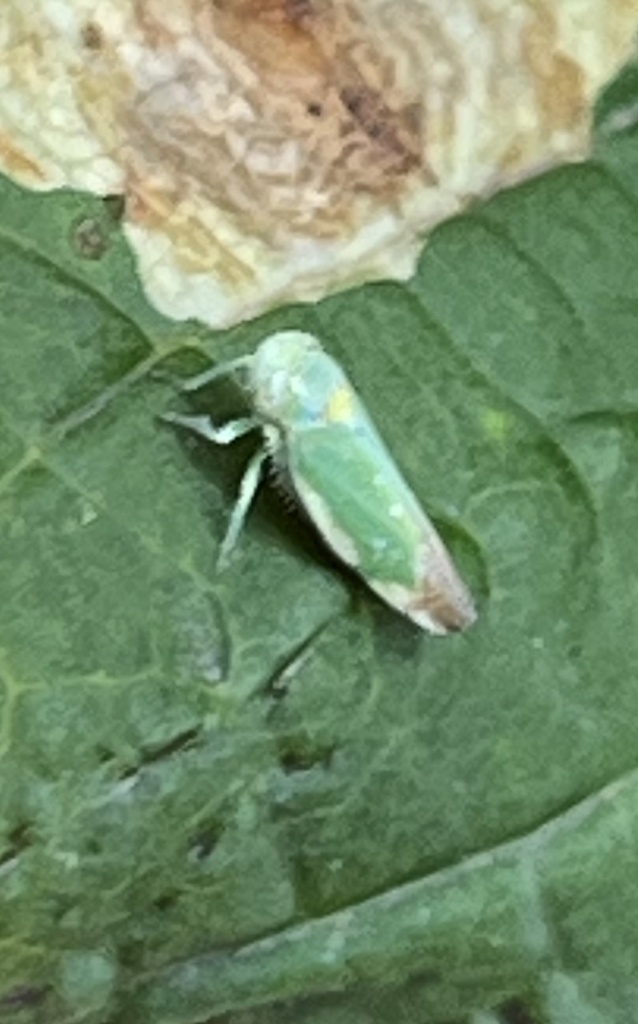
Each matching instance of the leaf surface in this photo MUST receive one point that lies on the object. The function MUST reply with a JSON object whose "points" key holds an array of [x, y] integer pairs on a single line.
{"points": [[260, 795]]}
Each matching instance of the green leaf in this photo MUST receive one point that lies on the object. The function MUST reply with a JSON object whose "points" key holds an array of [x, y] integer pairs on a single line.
{"points": [[261, 796]]}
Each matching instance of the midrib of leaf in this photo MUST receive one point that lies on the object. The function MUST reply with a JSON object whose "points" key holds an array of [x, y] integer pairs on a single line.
{"points": [[314, 958]]}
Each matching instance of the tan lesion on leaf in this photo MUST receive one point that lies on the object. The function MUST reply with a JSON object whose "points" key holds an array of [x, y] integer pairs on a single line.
{"points": [[275, 150], [278, 115]]}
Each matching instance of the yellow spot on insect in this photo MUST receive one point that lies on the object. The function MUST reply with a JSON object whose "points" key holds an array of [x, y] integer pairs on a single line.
{"points": [[338, 408]]}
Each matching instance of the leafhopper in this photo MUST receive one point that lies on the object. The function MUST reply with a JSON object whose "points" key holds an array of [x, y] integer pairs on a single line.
{"points": [[330, 456]]}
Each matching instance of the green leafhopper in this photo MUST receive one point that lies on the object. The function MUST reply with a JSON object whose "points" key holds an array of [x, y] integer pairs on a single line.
{"points": [[331, 457]]}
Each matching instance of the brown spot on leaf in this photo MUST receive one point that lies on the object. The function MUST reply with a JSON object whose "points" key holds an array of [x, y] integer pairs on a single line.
{"points": [[279, 118], [276, 150], [89, 238]]}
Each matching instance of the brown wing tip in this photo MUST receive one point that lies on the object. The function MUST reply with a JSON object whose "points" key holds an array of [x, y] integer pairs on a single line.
{"points": [[443, 603], [442, 611]]}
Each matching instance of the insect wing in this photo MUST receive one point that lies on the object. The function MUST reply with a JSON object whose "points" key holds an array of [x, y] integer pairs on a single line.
{"points": [[357, 498]]}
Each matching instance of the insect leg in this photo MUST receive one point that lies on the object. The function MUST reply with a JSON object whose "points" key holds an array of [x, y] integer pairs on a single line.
{"points": [[203, 425], [247, 490], [221, 370]]}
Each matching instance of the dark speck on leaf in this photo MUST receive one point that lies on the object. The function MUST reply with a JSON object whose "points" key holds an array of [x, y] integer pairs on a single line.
{"points": [[92, 36], [115, 206]]}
